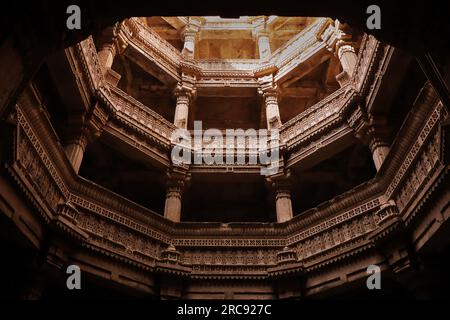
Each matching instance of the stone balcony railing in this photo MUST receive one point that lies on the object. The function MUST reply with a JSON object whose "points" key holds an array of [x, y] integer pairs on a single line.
{"points": [[315, 118], [129, 111]]}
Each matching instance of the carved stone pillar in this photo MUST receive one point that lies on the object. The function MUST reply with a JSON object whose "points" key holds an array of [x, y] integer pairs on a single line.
{"points": [[181, 109], [347, 56], [380, 149], [272, 110], [377, 134], [262, 36], [107, 52], [83, 128], [185, 93], [75, 150], [372, 131], [282, 184], [268, 90], [283, 203], [77, 140], [339, 41], [190, 36], [264, 45], [175, 184]]}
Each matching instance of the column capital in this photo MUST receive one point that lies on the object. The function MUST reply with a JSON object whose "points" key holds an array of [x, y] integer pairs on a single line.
{"points": [[378, 132], [186, 86], [281, 181], [368, 127], [177, 179], [185, 89], [337, 36], [192, 27], [87, 124], [267, 86], [259, 24]]}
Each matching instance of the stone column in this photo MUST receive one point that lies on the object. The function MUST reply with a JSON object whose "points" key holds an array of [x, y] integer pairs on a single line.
{"points": [[77, 140], [272, 110], [106, 54], [262, 36], [190, 36], [283, 205], [83, 127], [181, 109], [380, 149], [347, 56], [176, 182], [185, 93], [377, 133], [75, 148], [172, 208], [339, 41], [264, 45], [269, 92], [282, 184]]}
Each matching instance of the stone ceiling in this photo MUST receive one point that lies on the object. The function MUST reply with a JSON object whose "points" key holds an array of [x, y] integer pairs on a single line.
{"points": [[229, 38]]}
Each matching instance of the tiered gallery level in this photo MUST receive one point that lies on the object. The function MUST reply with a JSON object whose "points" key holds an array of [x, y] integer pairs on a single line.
{"points": [[88, 176]]}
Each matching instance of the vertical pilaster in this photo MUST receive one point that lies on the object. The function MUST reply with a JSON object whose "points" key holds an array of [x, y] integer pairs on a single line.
{"points": [[347, 56]]}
